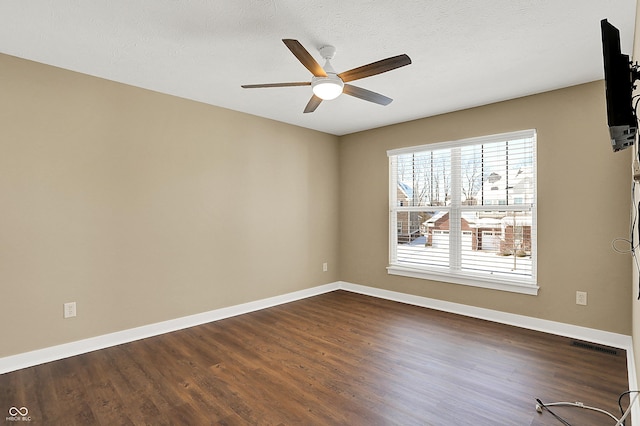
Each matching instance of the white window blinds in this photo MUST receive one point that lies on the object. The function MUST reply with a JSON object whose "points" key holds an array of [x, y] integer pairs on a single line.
{"points": [[465, 211]]}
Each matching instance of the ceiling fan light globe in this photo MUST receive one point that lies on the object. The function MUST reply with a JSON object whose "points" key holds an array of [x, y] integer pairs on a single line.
{"points": [[327, 88]]}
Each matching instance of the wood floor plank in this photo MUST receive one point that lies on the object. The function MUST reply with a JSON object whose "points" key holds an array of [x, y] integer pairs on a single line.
{"points": [[336, 359]]}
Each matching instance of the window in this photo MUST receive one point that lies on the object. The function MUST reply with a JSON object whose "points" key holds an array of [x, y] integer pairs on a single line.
{"points": [[465, 212]]}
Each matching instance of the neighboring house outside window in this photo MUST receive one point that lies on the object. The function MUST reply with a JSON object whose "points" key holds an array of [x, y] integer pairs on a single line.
{"points": [[465, 212]]}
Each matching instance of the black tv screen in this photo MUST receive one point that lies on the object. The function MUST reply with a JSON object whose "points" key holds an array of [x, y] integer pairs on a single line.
{"points": [[619, 87]]}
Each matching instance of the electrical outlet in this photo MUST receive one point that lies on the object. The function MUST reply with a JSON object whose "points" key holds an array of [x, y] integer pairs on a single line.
{"points": [[581, 297], [325, 267], [70, 310]]}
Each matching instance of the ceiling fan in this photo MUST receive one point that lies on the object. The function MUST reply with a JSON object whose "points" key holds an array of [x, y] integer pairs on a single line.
{"points": [[326, 84]]}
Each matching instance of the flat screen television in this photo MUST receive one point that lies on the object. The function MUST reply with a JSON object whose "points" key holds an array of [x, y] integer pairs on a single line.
{"points": [[619, 77]]}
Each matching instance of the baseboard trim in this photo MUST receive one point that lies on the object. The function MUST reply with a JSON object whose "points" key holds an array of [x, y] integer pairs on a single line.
{"points": [[66, 350], [615, 340], [41, 356]]}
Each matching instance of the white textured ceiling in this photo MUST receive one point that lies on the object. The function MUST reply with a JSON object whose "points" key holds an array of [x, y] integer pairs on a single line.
{"points": [[465, 53]]}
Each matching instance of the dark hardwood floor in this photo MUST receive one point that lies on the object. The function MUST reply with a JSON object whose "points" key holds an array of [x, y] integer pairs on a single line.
{"points": [[338, 358]]}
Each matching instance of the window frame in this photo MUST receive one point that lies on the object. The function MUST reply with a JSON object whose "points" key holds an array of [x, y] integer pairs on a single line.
{"points": [[523, 285]]}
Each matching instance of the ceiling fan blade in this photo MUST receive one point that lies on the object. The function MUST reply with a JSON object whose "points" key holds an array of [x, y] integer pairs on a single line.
{"points": [[374, 68], [258, 86], [365, 94], [313, 104], [304, 57]]}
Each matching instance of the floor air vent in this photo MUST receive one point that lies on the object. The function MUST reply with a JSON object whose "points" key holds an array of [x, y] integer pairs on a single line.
{"points": [[592, 347]]}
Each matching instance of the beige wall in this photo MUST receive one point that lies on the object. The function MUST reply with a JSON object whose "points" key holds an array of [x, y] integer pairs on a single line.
{"points": [[143, 207], [583, 205]]}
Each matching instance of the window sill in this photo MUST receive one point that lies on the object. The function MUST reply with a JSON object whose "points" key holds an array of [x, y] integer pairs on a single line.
{"points": [[491, 282]]}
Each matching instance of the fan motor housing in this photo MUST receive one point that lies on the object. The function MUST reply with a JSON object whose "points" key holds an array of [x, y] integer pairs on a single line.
{"points": [[327, 52]]}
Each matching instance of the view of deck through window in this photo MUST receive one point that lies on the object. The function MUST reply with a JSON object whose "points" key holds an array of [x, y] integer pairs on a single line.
{"points": [[466, 207]]}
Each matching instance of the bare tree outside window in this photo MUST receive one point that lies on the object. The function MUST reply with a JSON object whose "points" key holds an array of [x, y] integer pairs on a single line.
{"points": [[468, 206]]}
